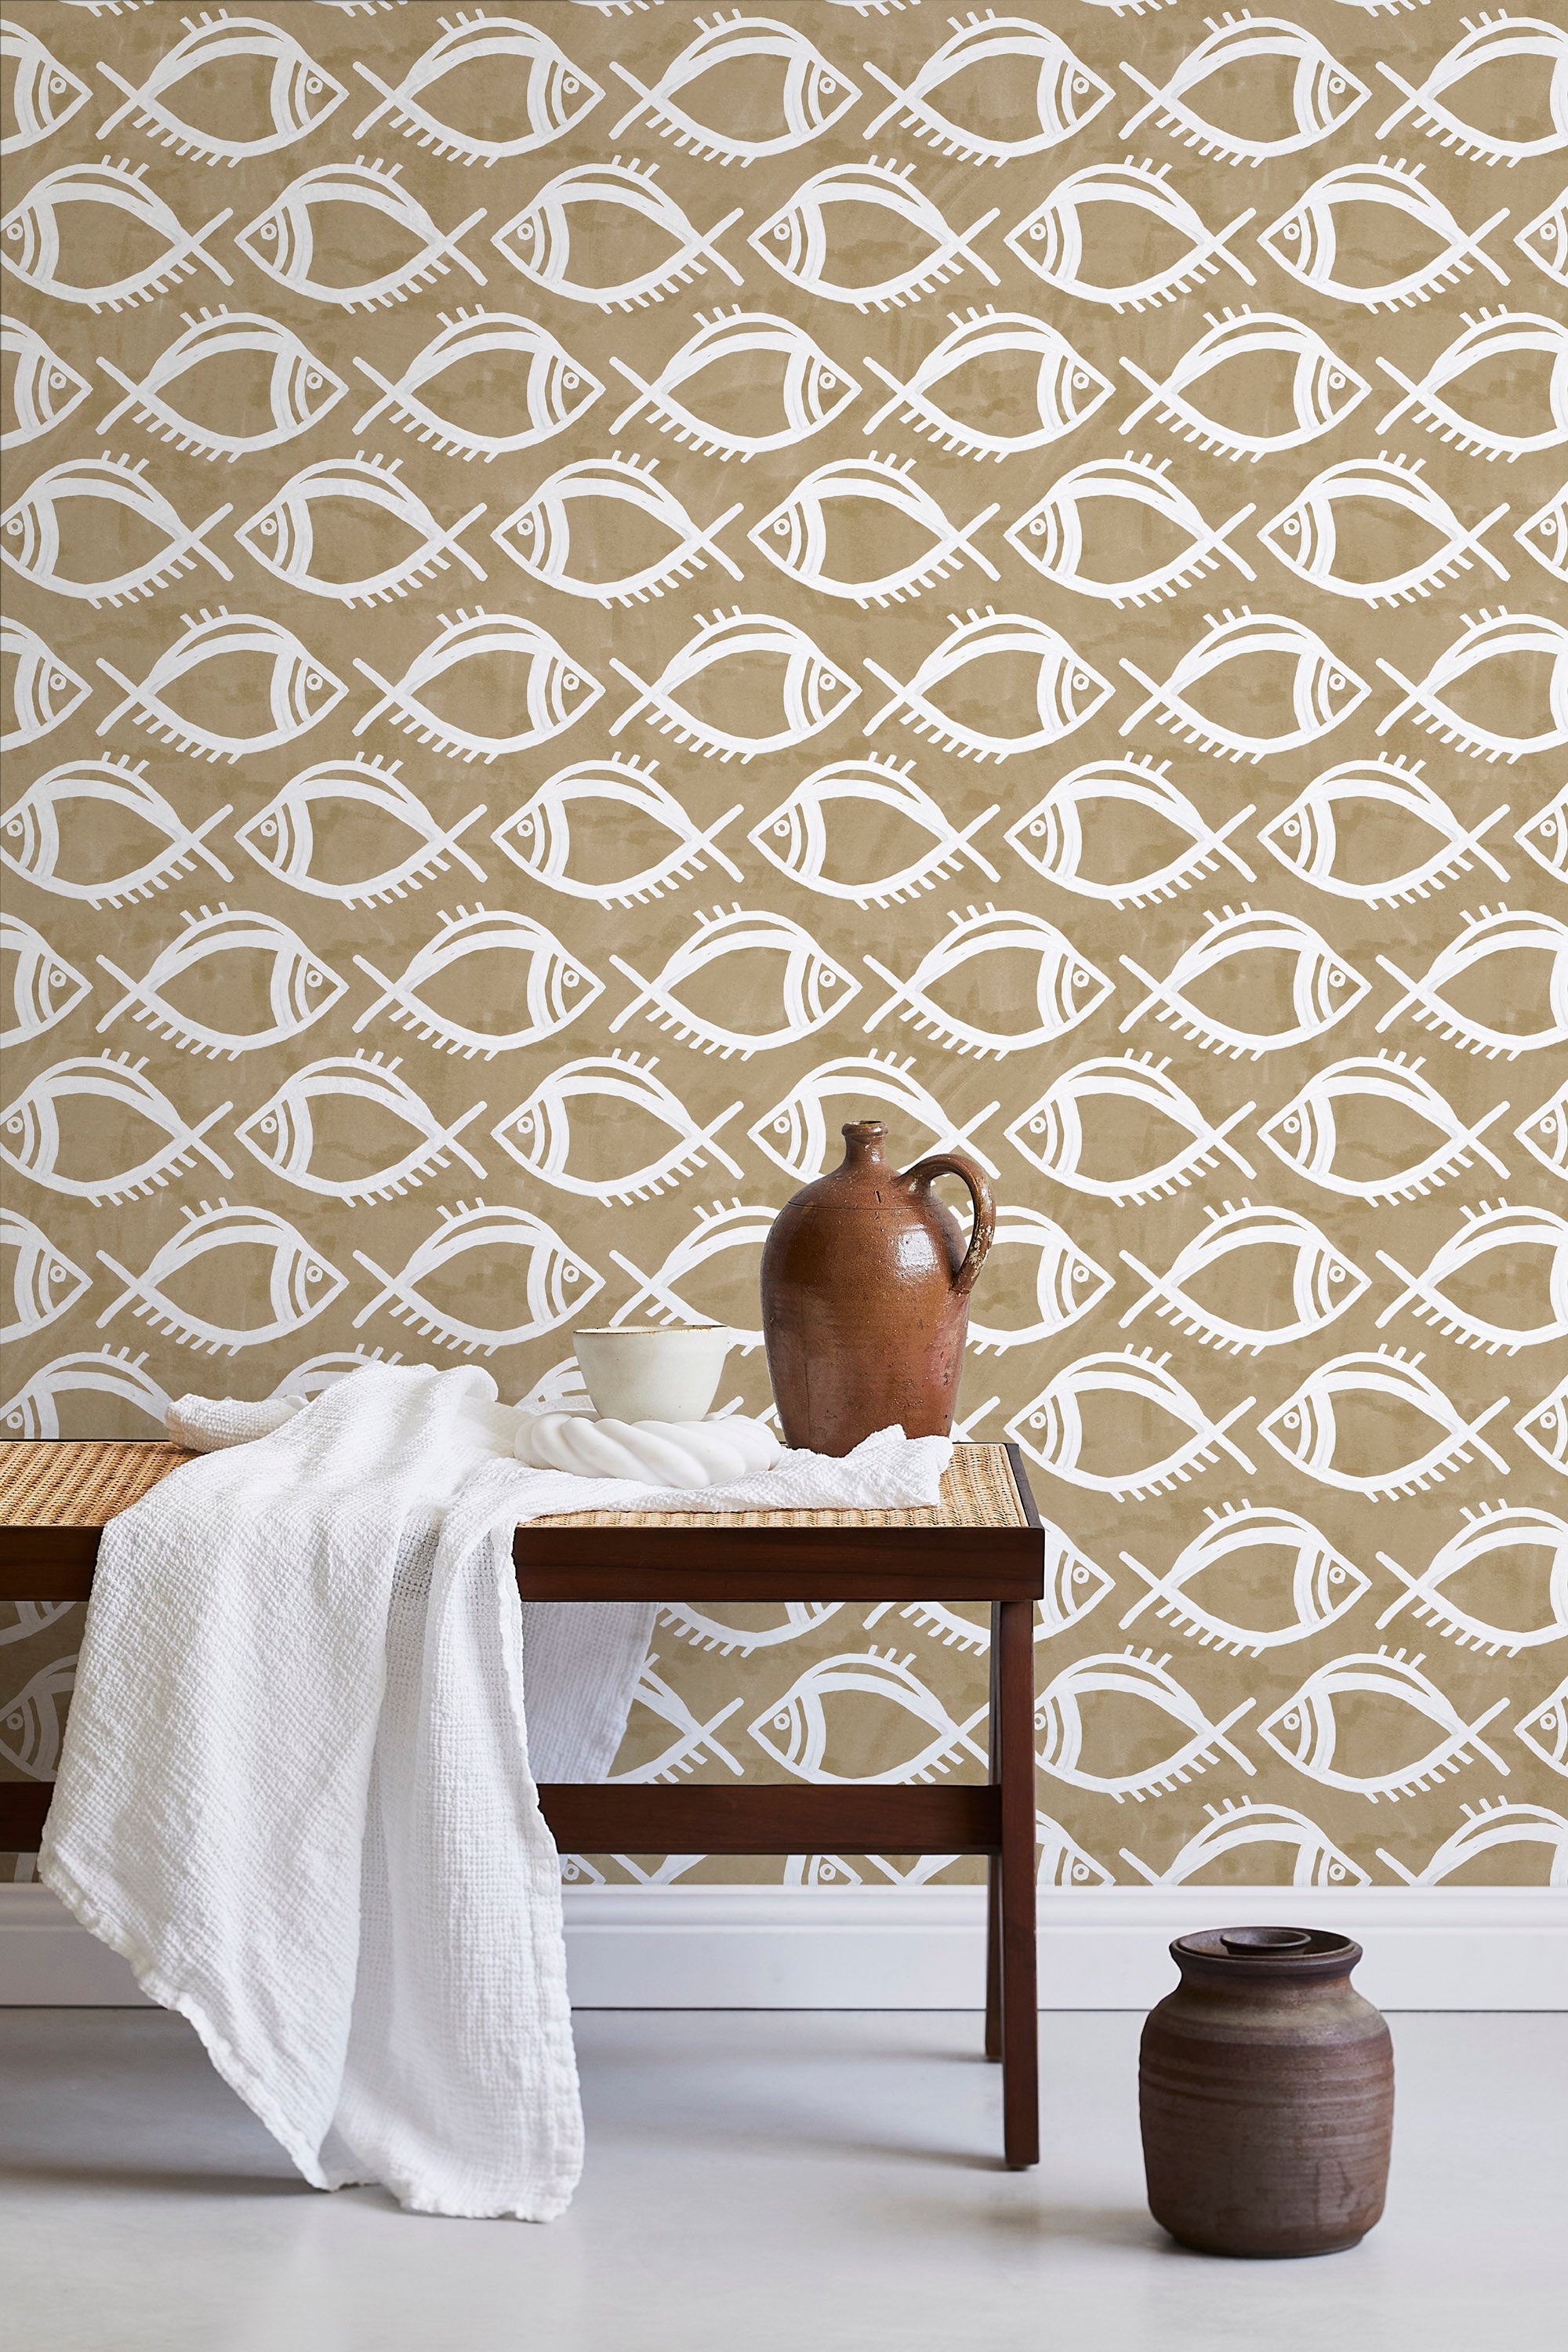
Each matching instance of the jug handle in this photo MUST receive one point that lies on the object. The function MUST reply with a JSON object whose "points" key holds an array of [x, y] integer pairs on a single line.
{"points": [[954, 1164]]}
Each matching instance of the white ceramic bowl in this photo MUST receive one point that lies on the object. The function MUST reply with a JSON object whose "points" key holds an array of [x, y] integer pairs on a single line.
{"points": [[653, 1373]]}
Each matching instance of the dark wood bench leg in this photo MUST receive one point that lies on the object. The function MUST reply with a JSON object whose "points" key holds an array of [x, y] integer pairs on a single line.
{"points": [[993, 1867], [1013, 1735]]}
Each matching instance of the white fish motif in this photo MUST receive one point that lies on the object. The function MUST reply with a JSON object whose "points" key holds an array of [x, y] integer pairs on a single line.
{"points": [[546, 991], [1320, 388], [812, 388], [1065, 393], [1501, 1534], [298, 986], [1240, 1822], [1066, 988], [301, 1284], [1323, 94], [551, 1284], [1305, 241], [1544, 1133], [1051, 1136], [717, 1232], [1544, 240], [1068, 689], [1305, 1134], [542, 535], [550, 692], [1502, 336], [722, 1637], [794, 535], [282, 240], [30, 1617], [1051, 534], [1062, 1707], [1545, 535], [34, 231], [694, 1743], [1350, 1392], [1497, 41], [1308, 837], [295, 98], [1324, 690], [283, 1134], [44, 95], [811, 990], [1323, 1582], [1062, 1862], [530, 80], [602, 1089], [44, 388], [1050, 1427], [34, 842], [797, 1133], [43, 690], [1050, 836], [287, 379], [1323, 987], [35, 1130], [810, 91], [1055, 238], [809, 694], [538, 239], [44, 986], [1306, 1730], [1498, 637], [1502, 1234], [795, 241], [284, 835], [540, 837], [794, 837], [1305, 535], [1323, 1282], [1544, 1730], [1545, 835], [44, 1284], [1067, 93], [1066, 1283], [552, 389], [32, 1721], [1488, 939], [1486, 1829], [796, 1733], [300, 690], [31, 532], [284, 536]]}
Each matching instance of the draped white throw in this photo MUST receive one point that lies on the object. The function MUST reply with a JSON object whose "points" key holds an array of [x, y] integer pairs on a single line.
{"points": [[296, 1787]]}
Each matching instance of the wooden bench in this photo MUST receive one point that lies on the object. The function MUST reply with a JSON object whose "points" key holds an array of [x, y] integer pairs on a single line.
{"points": [[982, 1542]]}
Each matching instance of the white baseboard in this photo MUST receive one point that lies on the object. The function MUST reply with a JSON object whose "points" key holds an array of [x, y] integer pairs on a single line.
{"points": [[922, 1947]]}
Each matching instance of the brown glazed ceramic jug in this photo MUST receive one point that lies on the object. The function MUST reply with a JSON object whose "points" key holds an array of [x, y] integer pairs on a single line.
{"points": [[866, 1283], [1265, 2090]]}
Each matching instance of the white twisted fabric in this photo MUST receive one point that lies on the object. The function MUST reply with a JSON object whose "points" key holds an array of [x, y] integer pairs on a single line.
{"points": [[683, 1454], [295, 1788]]}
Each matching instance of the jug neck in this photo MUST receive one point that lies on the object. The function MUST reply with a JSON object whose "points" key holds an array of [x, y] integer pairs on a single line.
{"points": [[863, 1141]]}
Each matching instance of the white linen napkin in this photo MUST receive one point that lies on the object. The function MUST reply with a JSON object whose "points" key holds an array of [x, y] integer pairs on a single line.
{"points": [[295, 1788]]}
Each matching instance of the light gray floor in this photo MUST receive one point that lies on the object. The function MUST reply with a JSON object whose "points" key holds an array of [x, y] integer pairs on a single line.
{"points": [[763, 2182]]}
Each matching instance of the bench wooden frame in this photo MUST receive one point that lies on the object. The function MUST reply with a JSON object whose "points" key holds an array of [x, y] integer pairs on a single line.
{"points": [[725, 1562]]}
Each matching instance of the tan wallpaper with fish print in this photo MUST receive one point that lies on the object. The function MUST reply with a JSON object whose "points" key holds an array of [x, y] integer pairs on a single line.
{"points": [[595, 590]]}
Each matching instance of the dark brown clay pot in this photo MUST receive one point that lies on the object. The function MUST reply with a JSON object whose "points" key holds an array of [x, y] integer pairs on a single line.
{"points": [[1265, 2090], [866, 1283]]}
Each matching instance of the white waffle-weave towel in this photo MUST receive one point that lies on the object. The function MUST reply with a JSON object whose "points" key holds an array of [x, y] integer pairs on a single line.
{"points": [[294, 1789]]}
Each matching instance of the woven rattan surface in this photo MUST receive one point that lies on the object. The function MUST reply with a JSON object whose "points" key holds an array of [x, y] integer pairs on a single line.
{"points": [[78, 1482], [82, 1482], [978, 1491]]}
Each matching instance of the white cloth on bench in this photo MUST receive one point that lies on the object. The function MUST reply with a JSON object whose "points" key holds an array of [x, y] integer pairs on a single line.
{"points": [[295, 1791]]}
